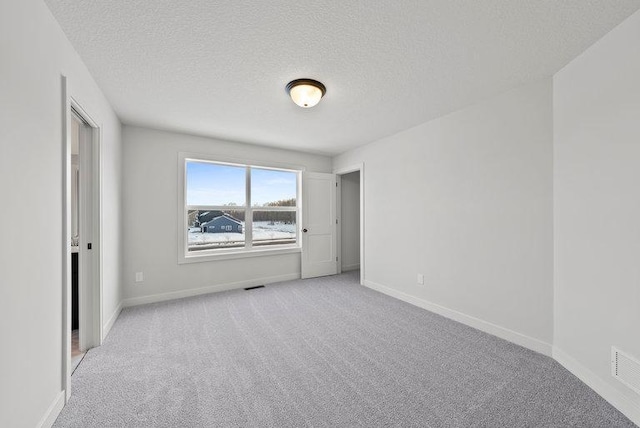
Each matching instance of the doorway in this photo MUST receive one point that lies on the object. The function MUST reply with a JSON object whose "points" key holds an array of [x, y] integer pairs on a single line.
{"points": [[82, 288], [350, 202]]}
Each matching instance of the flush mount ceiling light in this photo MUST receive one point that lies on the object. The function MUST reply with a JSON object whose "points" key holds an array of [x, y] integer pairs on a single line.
{"points": [[306, 92]]}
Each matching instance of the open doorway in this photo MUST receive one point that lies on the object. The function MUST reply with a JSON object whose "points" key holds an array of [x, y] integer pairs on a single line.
{"points": [[82, 290], [350, 221]]}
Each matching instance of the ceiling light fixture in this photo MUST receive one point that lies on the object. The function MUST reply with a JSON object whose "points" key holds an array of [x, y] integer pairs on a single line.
{"points": [[306, 92]]}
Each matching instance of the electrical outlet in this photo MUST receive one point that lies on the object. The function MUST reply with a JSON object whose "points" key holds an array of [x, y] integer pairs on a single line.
{"points": [[139, 276], [420, 279]]}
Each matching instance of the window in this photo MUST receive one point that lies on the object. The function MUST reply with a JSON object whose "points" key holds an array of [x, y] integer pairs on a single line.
{"points": [[231, 208]]}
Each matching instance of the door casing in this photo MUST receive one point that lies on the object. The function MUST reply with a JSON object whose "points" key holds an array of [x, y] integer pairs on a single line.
{"points": [[90, 261]]}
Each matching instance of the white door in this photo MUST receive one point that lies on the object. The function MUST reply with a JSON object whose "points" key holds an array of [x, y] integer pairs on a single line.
{"points": [[86, 248], [319, 225]]}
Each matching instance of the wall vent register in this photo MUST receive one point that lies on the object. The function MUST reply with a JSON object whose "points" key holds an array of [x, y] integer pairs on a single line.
{"points": [[626, 369]]}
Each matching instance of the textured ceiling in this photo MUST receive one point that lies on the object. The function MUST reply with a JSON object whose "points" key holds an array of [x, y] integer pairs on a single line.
{"points": [[219, 68]]}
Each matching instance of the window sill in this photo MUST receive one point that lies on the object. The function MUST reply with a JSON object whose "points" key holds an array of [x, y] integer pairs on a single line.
{"points": [[237, 255]]}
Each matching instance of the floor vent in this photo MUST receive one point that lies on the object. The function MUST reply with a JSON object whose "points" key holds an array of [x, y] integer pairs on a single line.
{"points": [[625, 368], [253, 288]]}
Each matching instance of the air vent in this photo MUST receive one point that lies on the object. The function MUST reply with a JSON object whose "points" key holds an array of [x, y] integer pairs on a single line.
{"points": [[253, 288], [626, 369]]}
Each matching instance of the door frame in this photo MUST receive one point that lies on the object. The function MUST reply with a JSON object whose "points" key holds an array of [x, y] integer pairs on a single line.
{"points": [[91, 316], [339, 172]]}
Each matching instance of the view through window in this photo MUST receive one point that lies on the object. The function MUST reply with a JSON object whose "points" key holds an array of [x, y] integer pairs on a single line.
{"points": [[239, 206]]}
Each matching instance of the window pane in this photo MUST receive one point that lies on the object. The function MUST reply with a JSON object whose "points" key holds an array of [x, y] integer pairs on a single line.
{"points": [[215, 184], [270, 188], [274, 227], [209, 229]]}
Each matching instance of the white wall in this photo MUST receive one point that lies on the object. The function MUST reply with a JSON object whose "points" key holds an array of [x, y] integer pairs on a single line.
{"points": [[597, 209], [478, 181], [151, 209], [350, 221], [34, 53], [466, 200]]}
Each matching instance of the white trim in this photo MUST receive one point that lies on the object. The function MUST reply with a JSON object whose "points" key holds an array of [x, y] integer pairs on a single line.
{"points": [[618, 400], [248, 212], [247, 250], [162, 297], [99, 233], [93, 323], [339, 221], [53, 411], [230, 254], [348, 169], [496, 330], [348, 268], [90, 286], [362, 221], [65, 372], [240, 161], [112, 320]]}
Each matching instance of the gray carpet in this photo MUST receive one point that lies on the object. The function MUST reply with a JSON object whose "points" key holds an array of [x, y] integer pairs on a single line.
{"points": [[325, 352]]}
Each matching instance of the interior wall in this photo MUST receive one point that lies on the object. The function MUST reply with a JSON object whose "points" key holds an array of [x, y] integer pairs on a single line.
{"points": [[151, 210], [350, 221], [597, 209], [35, 53], [466, 200]]}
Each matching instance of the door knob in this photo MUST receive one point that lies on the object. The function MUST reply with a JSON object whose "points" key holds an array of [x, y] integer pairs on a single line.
{"points": [[304, 230]]}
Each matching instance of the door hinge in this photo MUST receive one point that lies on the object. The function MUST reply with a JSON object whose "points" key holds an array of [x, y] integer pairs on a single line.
{"points": [[336, 221], [89, 246], [336, 184], [336, 259]]}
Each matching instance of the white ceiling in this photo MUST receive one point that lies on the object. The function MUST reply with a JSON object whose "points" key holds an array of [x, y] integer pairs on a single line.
{"points": [[219, 68]]}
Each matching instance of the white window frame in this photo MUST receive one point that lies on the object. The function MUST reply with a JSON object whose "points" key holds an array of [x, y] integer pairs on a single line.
{"points": [[184, 256]]}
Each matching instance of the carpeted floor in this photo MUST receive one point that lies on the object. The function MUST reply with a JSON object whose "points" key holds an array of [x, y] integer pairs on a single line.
{"points": [[324, 352]]}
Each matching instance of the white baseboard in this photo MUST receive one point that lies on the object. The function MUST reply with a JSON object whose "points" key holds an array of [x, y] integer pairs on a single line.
{"points": [[348, 268], [52, 412], [630, 408], [496, 330], [154, 298], [112, 320]]}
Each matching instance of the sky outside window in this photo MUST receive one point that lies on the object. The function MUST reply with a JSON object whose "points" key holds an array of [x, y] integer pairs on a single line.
{"points": [[268, 186], [215, 184]]}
